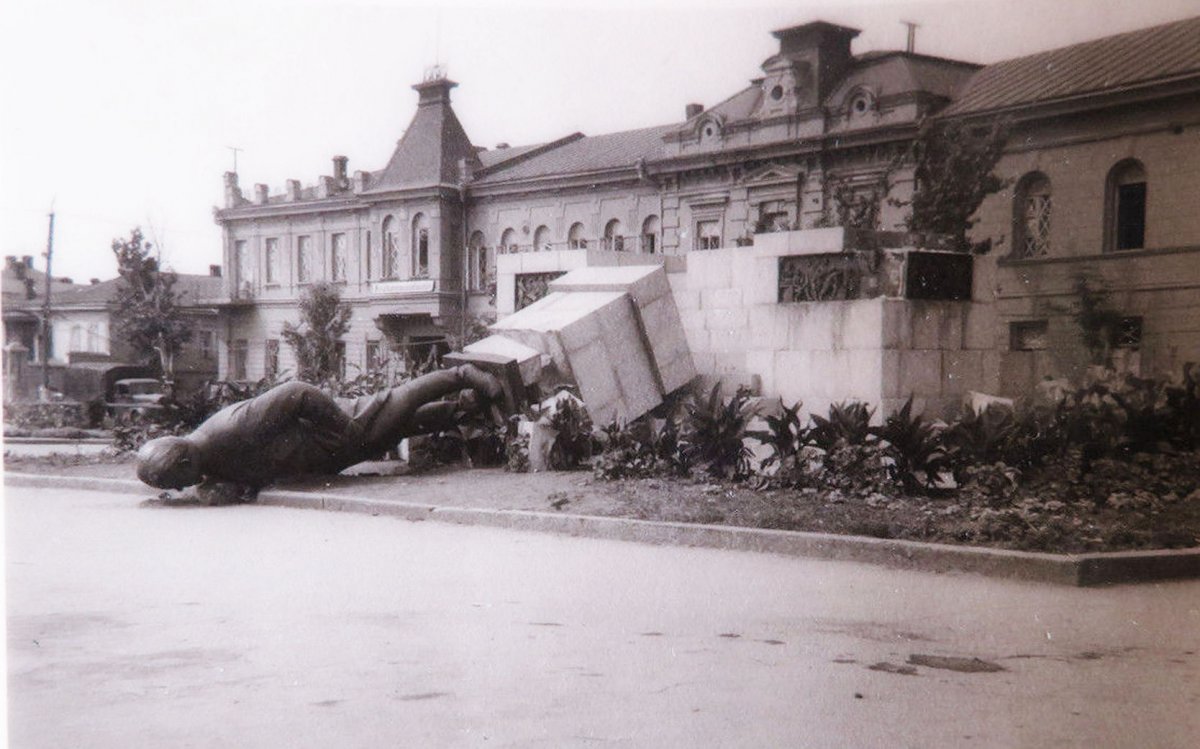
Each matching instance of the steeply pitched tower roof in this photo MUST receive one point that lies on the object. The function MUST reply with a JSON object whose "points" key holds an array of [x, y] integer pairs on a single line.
{"points": [[430, 149]]}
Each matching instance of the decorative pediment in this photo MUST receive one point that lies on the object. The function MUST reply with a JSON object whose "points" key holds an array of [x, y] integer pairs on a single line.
{"points": [[773, 174]]}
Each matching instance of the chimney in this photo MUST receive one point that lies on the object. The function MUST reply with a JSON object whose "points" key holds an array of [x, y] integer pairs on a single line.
{"points": [[501, 146], [214, 271], [325, 187], [28, 261], [293, 190], [93, 281], [339, 171], [361, 181], [824, 48], [233, 194], [691, 110], [260, 194], [465, 171]]}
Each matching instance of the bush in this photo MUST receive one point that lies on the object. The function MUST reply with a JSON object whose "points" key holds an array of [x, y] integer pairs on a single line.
{"points": [[715, 433], [848, 422], [915, 447], [46, 415]]}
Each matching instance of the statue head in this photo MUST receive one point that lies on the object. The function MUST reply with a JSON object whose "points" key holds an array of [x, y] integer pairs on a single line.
{"points": [[169, 463]]}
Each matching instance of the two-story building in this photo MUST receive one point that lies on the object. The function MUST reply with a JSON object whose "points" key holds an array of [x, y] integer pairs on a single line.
{"points": [[1103, 156]]}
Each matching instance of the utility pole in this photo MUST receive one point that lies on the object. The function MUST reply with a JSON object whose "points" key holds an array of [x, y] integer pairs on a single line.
{"points": [[45, 342]]}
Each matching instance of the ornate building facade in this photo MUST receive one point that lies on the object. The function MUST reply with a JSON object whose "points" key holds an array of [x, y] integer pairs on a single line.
{"points": [[807, 143]]}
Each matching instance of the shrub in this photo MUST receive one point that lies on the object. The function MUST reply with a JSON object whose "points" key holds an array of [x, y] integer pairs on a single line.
{"points": [[715, 431], [45, 415], [786, 435], [573, 439], [915, 447], [848, 421]]}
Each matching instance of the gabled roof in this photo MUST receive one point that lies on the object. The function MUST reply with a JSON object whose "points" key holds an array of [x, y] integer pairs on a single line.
{"points": [[190, 289], [429, 151], [597, 153], [1129, 60]]}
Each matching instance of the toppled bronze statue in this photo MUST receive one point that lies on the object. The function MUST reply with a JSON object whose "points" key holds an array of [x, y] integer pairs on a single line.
{"points": [[295, 428]]}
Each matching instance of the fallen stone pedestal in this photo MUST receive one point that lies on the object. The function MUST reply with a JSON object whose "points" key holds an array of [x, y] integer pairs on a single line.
{"points": [[614, 332]]}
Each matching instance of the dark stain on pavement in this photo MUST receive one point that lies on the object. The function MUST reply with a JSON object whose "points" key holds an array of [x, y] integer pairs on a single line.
{"points": [[545, 624], [773, 642], [845, 660], [955, 663], [422, 696], [892, 668], [327, 703], [730, 635], [652, 634]]}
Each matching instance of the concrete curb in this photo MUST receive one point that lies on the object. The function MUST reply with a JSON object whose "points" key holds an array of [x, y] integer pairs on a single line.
{"points": [[1059, 569]]}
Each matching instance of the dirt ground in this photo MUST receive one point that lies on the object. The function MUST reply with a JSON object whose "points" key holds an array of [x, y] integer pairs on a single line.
{"points": [[1066, 527]]}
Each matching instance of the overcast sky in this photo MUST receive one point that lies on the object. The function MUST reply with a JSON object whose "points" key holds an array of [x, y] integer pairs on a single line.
{"points": [[120, 112]]}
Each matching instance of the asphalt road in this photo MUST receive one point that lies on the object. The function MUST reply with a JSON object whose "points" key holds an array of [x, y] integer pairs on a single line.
{"points": [[136, 626]]}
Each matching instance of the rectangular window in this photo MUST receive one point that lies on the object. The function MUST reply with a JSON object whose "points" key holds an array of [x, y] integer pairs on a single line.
{"points": [[649, 244], [241, 264], [339, 354], [1131, 216], [367, 258], [1028, 335], [390, 256], [206, 344], [708, 235], [1128, 333], [272, 259], [304, 260], [239, 352], [337, 257], [421, 259], [271, 358], [376, 358]]}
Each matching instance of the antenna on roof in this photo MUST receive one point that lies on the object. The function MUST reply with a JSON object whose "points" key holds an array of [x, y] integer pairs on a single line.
{"points": [[912, 36], [236, 151]]}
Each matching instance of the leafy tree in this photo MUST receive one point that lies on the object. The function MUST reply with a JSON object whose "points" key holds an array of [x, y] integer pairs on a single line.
{"points": [[324, 319], [148, 314], [953, 171]]}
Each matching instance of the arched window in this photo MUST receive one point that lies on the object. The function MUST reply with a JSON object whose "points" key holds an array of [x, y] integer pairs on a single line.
{"points": [[508, 241], [1031, 216], [420, 246], [1125, 214], [612, 236], [575, 240], [541, 239], [650, 234], [476, 261], [390, 263]]}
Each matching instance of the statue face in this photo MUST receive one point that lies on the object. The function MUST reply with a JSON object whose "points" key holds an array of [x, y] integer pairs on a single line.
{"points": [[168, 463]]}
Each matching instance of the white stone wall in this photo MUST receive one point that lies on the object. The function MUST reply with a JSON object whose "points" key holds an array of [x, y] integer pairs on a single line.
{"points": [[874, 350]]}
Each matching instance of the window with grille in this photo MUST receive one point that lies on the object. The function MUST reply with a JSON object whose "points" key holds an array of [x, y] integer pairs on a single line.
{"points": [[1031, 233]]}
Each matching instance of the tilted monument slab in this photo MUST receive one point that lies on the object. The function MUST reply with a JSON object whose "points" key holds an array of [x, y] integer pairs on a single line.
{"points": [[612, 331]]}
